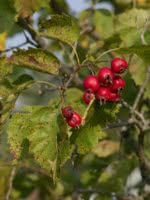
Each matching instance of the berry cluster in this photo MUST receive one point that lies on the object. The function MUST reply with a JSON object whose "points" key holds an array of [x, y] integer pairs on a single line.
{"points": [[73, 118], [107, 86]]}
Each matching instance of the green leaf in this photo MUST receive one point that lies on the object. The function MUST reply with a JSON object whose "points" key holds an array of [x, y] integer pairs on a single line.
{"points": [[130, 84], [124, 167], [43, 138], [24, 78], [36, 59], [85, 14], [75, 99], [112, 41], [142, 51], [8, 21], [8, 97], [41, 128], [138, 67], [127, 19], [111, 183], [9, 93], [87, 137], [5, 69], [103, 21], [61, 27], [138, 72], [130, 36], [26, 8], [18, 131]]}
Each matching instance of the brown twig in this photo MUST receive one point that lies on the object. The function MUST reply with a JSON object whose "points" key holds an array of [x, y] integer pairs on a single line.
{"points": [[138, 114], [23, 23], [42, 171], [28, 41], [12, 175]]}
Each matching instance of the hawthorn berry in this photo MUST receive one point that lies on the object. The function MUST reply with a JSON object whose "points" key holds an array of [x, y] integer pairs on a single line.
{"points": [[87, 97], [75, 120], [118, 65], [92, 83], [105, 75], [67, 112], [113, 96], [102, 94], [118, 84]]}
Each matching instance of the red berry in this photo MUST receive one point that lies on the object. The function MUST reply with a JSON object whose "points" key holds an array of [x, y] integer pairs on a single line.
{"points": [[75, 121], [105, 75], [87, 97], [102, 94], [67, 112], [91, 82], [118, 65], [113, 96], [118, 84]]}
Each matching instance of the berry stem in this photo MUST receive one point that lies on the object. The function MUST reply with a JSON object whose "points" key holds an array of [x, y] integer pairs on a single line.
{"points": [[87, 110], [45, 82], [75, 52], [101, 55]]}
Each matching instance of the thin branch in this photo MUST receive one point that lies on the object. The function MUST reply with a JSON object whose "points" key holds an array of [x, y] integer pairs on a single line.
{"points": [[14, 47], [90, 191], [42, 171], [117, 125], [138, 114], [23, 23], [72, 76], [134, 3], [144, 29], [75, 53], [142, 88], [87, 110], [12, 175], [110, 50], [48, 83]]}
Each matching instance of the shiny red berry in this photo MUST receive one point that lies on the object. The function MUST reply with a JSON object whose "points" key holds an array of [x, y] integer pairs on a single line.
{"points": [[75, 121], [118, 65], [118, 84], [113, 96], [105, 75], [91, 82], [67, 112], [87, 97], [102, 94]]}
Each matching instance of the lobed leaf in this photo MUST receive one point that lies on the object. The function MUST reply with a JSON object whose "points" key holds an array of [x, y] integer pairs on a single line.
{"points": [[36, 59], [9, 93], [87, 137], [61, 27], [39, 125]]}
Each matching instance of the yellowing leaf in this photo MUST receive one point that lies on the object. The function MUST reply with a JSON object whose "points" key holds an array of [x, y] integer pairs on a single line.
{"points": [[26, 8], [106, 148], [61, 27], [36, 59], [2, 40]]}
